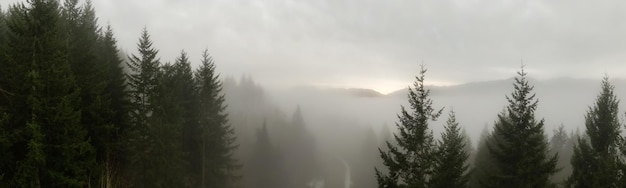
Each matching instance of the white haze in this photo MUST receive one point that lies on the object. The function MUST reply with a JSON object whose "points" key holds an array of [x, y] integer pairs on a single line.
{"points": [[380, 44]]}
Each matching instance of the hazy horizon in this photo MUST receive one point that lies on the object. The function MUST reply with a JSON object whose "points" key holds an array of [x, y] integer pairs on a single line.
{"points": [[323, 93], [380, 45]]}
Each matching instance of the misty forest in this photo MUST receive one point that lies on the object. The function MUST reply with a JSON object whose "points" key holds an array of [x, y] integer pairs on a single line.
{"points": [[77, 111]]}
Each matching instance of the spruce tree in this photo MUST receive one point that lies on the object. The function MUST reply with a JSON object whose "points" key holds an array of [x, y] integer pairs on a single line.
{"points": [[3, 38], [519, 147], [561, 143], [142, 81], [450, 165], [112, 155], [410, 162], [483, 166], [49, 145], [596, 159], [179, 107], [93, 76], [218, 141], [12, 94], [174, 91], [300, 152], [267, 169], [4, 116]]}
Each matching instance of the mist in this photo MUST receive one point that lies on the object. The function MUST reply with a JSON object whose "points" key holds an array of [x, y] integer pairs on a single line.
{"points": [[290, 94]]}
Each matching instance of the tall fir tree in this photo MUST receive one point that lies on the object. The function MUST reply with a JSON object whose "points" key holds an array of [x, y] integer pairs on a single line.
{"points": [[596, 159], [143, 82], [265, 163], [112, 156], [520, 148], [561, 143], [218, 141], [450, 165], [49, 146], [300, 152], [93, 76], [166, 124], [179, 97], [483, 166], [4, 116], [410, 162], [3, 40]]}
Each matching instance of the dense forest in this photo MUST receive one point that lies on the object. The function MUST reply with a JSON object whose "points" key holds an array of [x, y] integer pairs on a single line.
{"points": [[77, 112]]}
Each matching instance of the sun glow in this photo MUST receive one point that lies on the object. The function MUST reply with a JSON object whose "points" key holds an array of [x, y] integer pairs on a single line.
{"points": [[380, 85]]}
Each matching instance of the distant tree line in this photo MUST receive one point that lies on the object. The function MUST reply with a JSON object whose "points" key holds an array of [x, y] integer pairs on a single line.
{"points": [[73, 113]]}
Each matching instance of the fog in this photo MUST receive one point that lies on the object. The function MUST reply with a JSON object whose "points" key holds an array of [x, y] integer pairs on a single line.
{"points": [[326, 80], [341, 119], [561, 101], [380, 45]]}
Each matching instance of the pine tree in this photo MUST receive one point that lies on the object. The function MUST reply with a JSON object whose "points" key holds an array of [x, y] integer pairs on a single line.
{"points": [[483, 164], [4, 116], [596, 160], [300, 152], [112, 155], [410, 162], [520, 148], [219, 165], [451, 168], [93, 75], [48, 144], [171, 112], [12, 95], [3, 35], [561, 143], [267, 169], [143, 82], [179, 107]]}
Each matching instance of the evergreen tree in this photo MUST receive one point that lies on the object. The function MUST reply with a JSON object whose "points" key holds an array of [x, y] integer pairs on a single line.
{"points": [[520, 148], [48, 145], [95, 75], [450, 166], [410, 162], [3, 38], [12, 95], [112, 156], [265, 163], [300, 152], [4, 116], [218, 137], [562, 144], [469, 149], [385, 136], [143, 82], [167, 122], [483, 164], [178, 89], [596, 159]]}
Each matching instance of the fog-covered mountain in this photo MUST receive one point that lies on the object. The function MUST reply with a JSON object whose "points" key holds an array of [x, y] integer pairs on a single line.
{"points": [[561, 101]]}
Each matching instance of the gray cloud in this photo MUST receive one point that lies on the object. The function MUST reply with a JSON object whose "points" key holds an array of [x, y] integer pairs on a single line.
{"points": [[378, 44]]}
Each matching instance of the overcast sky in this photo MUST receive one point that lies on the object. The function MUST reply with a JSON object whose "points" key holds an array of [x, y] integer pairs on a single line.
{"points": [[380, 44]]}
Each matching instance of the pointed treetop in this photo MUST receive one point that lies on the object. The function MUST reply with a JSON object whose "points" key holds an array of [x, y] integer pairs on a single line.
{"points": [[183, 58], [145, 44]]}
